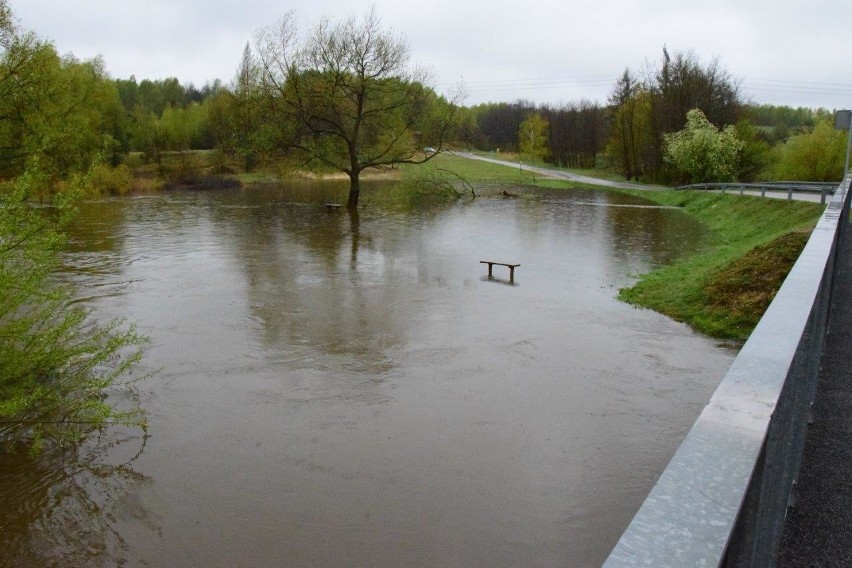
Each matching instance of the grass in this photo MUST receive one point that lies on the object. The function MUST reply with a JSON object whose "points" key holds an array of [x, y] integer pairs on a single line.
{"points": [[723, 290], [473, 171], [597, 172], [740, 293], [486, 178]]}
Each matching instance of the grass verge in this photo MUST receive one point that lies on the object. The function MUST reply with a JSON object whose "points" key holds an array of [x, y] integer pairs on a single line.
{"points": [[724, 290]]}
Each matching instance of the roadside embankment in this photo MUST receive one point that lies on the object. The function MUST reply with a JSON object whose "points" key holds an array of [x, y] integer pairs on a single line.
{"points": [[723, 290]]}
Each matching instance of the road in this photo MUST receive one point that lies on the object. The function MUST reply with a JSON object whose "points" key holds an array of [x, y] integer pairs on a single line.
{"points": [[558, 174]]}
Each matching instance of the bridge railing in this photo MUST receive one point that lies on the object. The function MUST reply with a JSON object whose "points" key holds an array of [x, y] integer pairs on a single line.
{"points": [[823, 189], [723, 497]]}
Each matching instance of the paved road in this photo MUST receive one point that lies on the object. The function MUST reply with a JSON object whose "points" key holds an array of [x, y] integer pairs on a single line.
{"points": [[818, 528], [558, 174]]}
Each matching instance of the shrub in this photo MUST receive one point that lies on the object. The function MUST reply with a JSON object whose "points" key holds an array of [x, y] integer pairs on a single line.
{"points": [[55, 365]]}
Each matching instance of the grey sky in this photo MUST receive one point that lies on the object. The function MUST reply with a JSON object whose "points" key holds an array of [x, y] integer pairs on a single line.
{"points": [[784, 52]]}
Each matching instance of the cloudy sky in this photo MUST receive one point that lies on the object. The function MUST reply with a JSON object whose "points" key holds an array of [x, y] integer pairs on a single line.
{"points": [[792, 52]]}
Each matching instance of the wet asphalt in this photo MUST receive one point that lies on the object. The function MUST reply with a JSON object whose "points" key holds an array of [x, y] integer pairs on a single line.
{"points": [[818, 529]]}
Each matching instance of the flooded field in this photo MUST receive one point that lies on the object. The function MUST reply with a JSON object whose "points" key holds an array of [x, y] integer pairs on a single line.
{"points": [[350, 390]]}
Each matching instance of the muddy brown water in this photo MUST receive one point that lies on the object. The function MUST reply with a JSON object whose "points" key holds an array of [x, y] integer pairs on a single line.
{"points": [[349, 390]]}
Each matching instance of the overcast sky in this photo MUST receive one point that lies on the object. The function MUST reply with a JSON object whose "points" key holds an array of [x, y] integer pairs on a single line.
{"points": [[793, 52]]}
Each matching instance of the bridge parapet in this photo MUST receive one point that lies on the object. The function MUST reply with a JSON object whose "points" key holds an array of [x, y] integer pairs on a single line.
{"points": [[723, 497]]}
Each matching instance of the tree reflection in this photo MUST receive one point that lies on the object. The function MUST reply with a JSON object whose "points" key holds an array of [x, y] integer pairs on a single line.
{"points": [[59, 507], [325, 283]]}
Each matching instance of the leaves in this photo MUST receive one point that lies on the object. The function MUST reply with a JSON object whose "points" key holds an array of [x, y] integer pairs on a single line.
{"points": [[532, 137], [816, 156], [348, 97], [55, 366], [701, 153]]}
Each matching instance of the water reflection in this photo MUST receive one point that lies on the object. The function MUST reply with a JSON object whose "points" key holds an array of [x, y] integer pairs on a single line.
{"points": [[343, 388], [60, 507]]}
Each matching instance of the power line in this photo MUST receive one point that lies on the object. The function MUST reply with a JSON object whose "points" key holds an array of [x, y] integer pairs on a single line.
{"points": [[776, 86], [787, 81]]}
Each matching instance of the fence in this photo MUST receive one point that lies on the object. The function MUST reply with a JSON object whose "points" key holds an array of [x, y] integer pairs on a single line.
{"points": [[723, 497], [824, 189]]}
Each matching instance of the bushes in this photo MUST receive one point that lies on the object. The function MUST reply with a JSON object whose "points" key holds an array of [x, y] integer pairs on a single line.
{"points": [[106, 180], [55, 365]]}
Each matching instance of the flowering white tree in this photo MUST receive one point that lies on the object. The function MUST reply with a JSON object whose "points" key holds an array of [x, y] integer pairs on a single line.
{"points": [[702, 153]]}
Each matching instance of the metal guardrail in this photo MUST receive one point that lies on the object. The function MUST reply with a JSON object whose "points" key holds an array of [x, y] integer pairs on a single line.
{"points": [[723, 497], [824, 189]]}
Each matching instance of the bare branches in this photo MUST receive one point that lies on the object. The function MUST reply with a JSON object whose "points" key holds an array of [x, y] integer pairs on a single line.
{"points": [[351, 94]]}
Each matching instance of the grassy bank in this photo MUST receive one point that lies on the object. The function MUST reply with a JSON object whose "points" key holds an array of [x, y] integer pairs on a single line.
{"points": [[472, 171], [724, 290], [598, 172]]}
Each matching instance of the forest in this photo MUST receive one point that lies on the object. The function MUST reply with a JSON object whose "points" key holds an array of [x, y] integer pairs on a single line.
{"points": [[136, 122]]}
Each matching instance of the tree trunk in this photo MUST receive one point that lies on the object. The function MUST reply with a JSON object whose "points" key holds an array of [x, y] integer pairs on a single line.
{"points": [[354, 189]]}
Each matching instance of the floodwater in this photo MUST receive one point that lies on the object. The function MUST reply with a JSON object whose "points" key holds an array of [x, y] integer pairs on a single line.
{"points": [[349, 390]]}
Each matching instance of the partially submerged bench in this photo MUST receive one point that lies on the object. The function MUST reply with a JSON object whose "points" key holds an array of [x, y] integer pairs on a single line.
{"points": [[491, 264]]}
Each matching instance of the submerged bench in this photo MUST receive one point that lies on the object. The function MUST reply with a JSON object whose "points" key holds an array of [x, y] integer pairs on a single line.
{"points": [[491, 264]]}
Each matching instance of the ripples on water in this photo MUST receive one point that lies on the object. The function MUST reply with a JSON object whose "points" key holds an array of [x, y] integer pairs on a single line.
{"points": [[341, 389], [59, 508]]}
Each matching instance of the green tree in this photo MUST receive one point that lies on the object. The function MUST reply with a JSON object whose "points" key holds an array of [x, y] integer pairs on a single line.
{"points": [[346, 98], [148, 135], [56, 113], [756, 155], [815, 156], [26, 67], [627, 100], [701, 153], [532, 137], [54, 366], [645, 112], [248, 137]]}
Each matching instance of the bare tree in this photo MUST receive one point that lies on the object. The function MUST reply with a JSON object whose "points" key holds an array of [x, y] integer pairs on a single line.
{"points": [[348, 97]]}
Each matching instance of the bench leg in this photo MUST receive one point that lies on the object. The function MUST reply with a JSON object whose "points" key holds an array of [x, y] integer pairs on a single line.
{"points": [[511, 274], [490, 266]]}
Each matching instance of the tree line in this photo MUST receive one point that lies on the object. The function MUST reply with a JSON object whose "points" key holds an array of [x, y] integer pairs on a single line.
{"points": [[630, 134], [287, 106]]}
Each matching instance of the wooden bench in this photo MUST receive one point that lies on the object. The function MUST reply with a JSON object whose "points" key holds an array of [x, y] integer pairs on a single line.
{"points": [[491, 264], [333, 206]]}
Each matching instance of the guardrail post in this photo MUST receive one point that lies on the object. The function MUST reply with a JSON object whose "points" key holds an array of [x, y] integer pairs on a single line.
{"points": [[790, 193], [763, 191], [741, 189]]}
